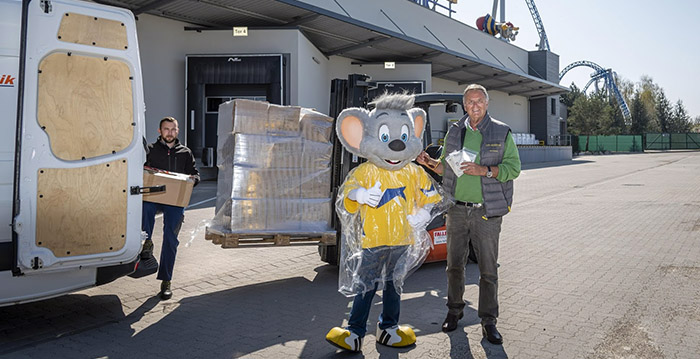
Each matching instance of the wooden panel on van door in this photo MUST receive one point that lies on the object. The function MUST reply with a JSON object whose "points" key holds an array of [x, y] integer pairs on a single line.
{"points": [[94, 31], [82, 210], [85, 105]]}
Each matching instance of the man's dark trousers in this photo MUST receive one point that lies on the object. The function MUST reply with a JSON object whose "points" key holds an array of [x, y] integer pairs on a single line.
{"points": [[465, 224], [172, 220]]}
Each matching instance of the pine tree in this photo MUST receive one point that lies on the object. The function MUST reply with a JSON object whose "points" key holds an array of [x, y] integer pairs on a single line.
{"points": [[640, 117], [619, 126], [680, 122], [696, 124], [663, 111]]}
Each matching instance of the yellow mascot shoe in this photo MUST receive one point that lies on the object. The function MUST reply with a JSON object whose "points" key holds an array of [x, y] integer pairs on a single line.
{"points": [[396, 336], [345, 339]]}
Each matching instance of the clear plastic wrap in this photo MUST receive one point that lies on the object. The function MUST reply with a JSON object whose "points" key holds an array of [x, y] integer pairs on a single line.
{"points": [[275, 178], [380, 243]]}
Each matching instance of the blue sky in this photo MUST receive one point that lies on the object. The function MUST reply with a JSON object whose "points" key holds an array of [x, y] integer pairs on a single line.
{"points": [[634, 38]]}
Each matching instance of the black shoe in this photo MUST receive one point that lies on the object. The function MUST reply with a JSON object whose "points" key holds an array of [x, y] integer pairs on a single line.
{"points": [[165, 292], [491, 334], [147, 251], [450, 322]]}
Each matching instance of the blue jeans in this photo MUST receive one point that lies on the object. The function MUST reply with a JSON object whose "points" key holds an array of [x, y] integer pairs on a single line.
{"points": [[172, 220], [373, 262]]}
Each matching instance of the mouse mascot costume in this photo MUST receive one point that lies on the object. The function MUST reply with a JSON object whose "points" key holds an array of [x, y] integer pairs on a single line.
{"points": [[384, 206]]}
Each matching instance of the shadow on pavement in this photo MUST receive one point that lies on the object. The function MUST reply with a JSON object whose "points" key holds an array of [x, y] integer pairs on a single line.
{"points": [[31, 324], [430, 313], [294, 312]]}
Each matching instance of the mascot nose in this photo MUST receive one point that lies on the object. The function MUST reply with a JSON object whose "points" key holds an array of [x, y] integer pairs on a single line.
{"points": [[397, 145]]}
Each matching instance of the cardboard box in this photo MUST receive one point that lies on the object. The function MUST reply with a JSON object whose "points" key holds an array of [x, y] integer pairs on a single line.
{"points": [[283, 120], [263, 151], [316, 126], [178, 187], [248, 117], [252, 183]]}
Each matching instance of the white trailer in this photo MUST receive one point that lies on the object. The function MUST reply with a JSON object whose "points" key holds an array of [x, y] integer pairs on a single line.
{"points": [[71, 147]]}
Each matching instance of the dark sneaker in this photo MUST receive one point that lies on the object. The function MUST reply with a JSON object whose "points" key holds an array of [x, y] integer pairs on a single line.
{"points": [[147, 251], [165, 292]]}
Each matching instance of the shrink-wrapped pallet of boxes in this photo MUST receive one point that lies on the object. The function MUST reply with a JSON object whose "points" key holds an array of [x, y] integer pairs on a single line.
{"points": [[274, 174]]}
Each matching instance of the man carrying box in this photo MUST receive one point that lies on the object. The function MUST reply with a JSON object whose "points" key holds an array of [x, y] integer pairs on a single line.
{"points": [[166, 154]]}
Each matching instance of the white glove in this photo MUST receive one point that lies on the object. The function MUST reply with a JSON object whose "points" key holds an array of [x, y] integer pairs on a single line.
{"points": [[370, 197], [420, 219]]}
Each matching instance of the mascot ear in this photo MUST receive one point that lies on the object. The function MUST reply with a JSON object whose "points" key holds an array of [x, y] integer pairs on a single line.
{"points": [[350, 128], [419, 117]]}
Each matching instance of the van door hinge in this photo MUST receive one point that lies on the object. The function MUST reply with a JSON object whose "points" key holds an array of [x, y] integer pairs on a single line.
{"points": [[37, 263], [46, 6]]}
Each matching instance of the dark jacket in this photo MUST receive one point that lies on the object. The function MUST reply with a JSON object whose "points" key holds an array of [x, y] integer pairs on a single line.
{"points": [[177, 159]]}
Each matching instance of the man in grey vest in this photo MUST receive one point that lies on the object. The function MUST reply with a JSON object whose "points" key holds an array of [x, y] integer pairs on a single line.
{"points": [[483, 190]]}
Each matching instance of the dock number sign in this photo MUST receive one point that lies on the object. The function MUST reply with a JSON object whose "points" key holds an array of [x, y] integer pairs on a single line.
{"points": [[240, 31]]}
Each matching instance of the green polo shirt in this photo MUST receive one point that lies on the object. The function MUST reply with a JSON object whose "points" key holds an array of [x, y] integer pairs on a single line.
{"points": [[468, 187]]}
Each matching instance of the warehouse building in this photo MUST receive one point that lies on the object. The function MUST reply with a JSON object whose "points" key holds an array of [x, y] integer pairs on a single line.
{"points": [[196, 55]]}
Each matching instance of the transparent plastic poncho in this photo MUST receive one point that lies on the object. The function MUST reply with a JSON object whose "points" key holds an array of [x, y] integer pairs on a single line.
{"points": [[379, 244]]}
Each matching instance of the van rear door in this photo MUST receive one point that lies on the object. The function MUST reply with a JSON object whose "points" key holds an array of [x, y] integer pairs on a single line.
{"points": [[81, 146], [9, 69]]}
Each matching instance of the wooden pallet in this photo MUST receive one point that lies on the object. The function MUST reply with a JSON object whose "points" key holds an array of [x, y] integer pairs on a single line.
{"points": [[234, 240]]}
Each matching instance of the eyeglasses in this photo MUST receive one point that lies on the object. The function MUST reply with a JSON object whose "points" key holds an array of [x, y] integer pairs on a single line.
{"points": [[479, 102]]}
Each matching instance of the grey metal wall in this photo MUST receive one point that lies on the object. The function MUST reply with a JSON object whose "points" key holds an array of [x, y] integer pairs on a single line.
{"points": [[553, 116], [544, 112], [544, 64], [538, 118]]}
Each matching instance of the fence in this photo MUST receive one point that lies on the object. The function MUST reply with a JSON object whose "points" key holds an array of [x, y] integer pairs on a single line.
{"points": [[636, 143], [671, 141], [613, 143]]}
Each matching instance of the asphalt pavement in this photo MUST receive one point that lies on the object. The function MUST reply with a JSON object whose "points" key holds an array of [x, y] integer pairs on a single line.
{"points": [[600, 258]]}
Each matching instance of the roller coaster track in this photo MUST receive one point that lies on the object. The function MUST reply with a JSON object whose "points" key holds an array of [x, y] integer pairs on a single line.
{"points": [[601, 74], [544, 42]]}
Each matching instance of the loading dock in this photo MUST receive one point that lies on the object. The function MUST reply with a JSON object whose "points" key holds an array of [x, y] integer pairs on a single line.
{"points": [[215, 79]]}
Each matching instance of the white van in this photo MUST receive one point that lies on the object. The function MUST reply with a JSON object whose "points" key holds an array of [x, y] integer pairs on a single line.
{"points": [[71, 147]]}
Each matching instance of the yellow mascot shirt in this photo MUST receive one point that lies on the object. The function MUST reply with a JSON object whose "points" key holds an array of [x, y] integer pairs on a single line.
{"points": [[404, 191]]}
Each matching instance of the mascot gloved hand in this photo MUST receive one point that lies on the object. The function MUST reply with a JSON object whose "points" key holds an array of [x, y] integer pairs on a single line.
{"points": [[421, 218], [369, 196], [384, 206]]}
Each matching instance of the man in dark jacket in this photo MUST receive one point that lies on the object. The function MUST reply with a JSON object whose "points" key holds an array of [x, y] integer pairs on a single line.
{"points": [[167, 154]]}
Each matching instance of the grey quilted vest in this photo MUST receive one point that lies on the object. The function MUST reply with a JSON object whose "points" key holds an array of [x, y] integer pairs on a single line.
{"points": [[498, 196]]}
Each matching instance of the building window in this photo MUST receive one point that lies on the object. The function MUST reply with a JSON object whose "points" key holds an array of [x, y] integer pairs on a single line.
{"points": [[554, 106]]}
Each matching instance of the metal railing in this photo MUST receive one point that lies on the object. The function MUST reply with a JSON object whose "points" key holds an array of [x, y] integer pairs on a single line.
{"points": [[435, 5], [559, 140]]}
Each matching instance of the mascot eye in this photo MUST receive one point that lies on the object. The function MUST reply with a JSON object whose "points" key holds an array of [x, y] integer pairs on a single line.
{"points": [[404, 133], [384, 133]]}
